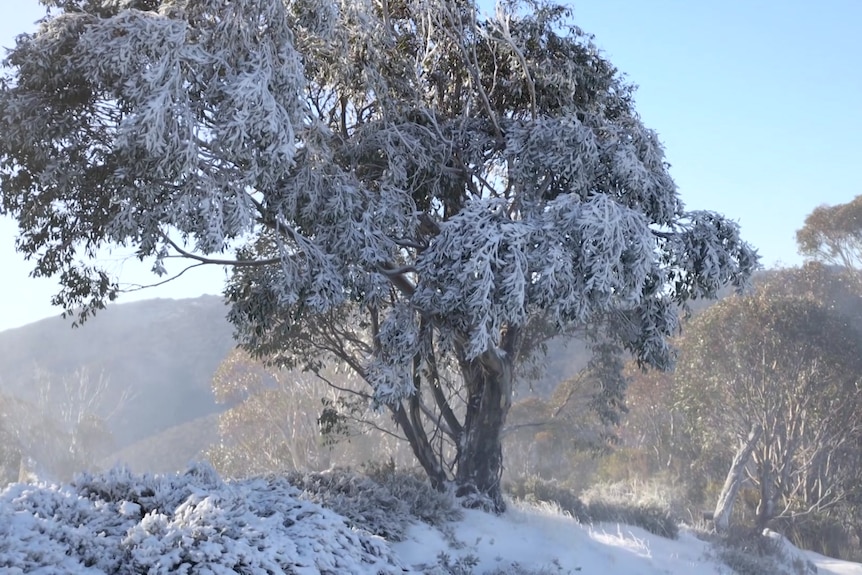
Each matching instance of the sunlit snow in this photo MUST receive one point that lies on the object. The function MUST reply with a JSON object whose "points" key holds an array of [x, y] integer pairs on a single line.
{"points": [[197, 523]]}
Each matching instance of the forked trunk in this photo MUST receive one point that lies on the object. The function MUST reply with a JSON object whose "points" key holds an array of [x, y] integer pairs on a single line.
{"points": [[478, 463]]}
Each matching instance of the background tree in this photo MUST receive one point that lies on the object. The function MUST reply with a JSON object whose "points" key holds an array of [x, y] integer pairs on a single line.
{"points": [[10, 450], [550, 437], [65, 429], [833, 235], [649, 427], [404, 186], [785, 370], [279, 420]]}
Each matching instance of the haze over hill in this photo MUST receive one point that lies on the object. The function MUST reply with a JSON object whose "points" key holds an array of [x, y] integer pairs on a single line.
{"points": [[163, 351]]}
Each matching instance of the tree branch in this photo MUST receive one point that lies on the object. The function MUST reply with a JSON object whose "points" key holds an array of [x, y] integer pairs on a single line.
{"points": [[396, 278], [220, 262], [139, 287]]}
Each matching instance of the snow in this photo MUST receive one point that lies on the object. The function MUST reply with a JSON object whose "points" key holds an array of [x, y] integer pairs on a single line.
{"points": [[834, 566], [197, 523], [534, 537]]}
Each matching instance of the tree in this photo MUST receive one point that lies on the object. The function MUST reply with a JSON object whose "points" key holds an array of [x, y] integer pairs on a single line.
{"points": [[405, 186], [274, 420], [547, 437], [649, 426], [833, 235], [10, 450], [779, 376]]}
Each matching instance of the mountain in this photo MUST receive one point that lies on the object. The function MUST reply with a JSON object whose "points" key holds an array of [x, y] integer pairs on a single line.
{"points": [[160, 352]]}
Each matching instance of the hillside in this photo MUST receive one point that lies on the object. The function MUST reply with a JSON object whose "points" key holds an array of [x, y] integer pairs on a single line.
{"points": [[170, 450], [164, 351]]}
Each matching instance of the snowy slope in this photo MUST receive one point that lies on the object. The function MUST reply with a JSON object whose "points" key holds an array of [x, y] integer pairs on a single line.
{"points": [[195, 523], [533, 537]]}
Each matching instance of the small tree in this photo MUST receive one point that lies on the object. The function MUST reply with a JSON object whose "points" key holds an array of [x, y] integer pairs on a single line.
{"points": [[405, 186]]}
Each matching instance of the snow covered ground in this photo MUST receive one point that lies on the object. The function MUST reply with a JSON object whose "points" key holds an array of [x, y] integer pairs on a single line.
{"points": [[195, 523], [535, 537]]}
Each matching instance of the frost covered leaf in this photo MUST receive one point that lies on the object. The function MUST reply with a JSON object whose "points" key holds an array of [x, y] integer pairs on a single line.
{"points": [[478, 171]]}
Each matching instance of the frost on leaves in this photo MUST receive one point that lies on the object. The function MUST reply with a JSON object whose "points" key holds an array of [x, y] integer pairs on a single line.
{"points": [[401, 185]]}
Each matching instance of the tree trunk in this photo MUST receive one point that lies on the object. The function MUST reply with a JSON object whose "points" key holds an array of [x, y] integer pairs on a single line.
{"points": [[488, 381], [421, 447], [768, 494], [733, 482]]}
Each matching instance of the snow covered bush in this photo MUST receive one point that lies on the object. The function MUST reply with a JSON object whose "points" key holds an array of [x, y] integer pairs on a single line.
{"points": [[193, 523], [537, 490], [750, 552], [383, 502]]}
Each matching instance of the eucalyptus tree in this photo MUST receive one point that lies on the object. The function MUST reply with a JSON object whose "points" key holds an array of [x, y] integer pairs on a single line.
{"points": [[833, 235], [399, 185], [278, 419], [779, 375]]}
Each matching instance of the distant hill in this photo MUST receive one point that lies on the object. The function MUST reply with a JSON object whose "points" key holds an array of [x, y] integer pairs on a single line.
{"points": [[165, 351], [170, 450]]}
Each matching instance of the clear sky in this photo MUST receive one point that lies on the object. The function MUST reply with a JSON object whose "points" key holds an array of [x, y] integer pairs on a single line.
{"points": [[758, 103]]}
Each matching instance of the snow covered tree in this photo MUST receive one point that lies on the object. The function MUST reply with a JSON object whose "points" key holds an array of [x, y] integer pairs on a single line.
{"points": [[404, 186]]}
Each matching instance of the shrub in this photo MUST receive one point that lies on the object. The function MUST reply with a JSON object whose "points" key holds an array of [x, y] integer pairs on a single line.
{"points": [[819, 533], [118, 522], [535, 489], [603, 503], [644, 505], [384, 501], [748, 552], [517, 569]]}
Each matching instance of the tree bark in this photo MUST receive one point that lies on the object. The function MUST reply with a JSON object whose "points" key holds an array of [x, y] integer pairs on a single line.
{"points": [[733, 482], [488, 380], [768, 494]]}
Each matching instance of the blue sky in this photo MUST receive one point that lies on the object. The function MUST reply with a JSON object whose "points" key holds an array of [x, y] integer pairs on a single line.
{"points": [[758, 103]]}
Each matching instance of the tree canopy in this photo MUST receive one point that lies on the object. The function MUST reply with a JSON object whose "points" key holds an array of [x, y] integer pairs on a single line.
{"points": [[833, 234], [402, 185]]}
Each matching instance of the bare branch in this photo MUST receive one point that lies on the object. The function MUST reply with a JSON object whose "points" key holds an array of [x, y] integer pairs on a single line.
{"points": [[139, 287], [221, 262]]}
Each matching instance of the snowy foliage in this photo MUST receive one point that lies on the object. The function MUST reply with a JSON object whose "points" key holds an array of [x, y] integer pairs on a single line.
{"points": [[192, 523], [307, 124], [383, 503], [400, 183]]}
